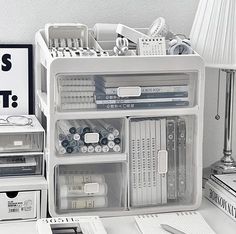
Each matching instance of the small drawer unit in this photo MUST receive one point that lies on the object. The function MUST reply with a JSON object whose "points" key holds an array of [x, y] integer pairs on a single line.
{"points": [[21, 146], [23, 200], [21, 165], [19, 205], [20, 134]]}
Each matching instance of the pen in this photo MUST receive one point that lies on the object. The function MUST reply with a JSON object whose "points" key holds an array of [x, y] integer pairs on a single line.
{"points": [[170, 229]]}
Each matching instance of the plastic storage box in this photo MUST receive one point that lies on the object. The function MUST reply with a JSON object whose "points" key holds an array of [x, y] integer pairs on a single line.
{"points": [[21, 147]]}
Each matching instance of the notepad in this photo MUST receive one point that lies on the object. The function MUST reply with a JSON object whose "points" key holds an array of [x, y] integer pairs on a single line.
{"points": [[189, 222]]}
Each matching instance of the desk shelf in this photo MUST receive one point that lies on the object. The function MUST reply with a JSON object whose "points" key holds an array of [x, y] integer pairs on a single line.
{"points": [[134, 72]]}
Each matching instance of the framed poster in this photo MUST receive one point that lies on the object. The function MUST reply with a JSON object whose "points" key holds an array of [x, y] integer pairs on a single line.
{"points": [[16, 79]]}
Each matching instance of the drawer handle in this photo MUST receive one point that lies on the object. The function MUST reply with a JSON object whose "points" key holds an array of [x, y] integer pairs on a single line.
{"points": [[91, 188], [129, 91], [91, 138], [162, 161], [12, 194]]}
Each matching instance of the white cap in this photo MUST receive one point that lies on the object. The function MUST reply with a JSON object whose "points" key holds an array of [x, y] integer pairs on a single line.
{"points": [[111, 144], [98, 149], [105, 149], [116, 148]]}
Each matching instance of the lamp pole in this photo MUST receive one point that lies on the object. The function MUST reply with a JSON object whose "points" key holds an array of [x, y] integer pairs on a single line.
{"points": [[227, 163]]}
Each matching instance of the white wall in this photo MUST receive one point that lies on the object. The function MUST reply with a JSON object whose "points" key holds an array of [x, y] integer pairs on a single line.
{"points": [[19, 20]]}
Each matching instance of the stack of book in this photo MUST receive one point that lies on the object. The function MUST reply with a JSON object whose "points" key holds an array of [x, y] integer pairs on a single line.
{"points": [[76, 92], [156, 91], [158, 160], [221, 191]]}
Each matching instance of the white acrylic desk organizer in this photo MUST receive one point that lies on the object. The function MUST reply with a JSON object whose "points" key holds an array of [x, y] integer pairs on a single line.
{"points": [[49, 69], [22, 149]]}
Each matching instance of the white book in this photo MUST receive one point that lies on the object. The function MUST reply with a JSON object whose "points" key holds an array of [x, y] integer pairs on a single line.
{"points": [[158, 88], [158, 147], [143, 159], [113, 81], [221, 198], [190, 222], [163, 175], [226, 181], [148, 162], [139, 163], [133, 165], [141, 100], [153, 162]]}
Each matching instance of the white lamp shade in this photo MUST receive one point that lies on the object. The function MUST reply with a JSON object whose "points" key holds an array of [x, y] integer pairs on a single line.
{"points": [[213, 33]]}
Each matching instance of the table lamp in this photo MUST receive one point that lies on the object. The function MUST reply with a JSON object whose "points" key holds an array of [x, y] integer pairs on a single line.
{"points": [[213, 36]]}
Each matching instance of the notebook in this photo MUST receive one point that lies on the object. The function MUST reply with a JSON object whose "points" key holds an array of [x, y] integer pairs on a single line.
{"points": [[188, 222]]}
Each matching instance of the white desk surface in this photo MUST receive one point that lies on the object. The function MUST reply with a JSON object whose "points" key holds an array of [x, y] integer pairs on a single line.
{"points": [[218, 220]]}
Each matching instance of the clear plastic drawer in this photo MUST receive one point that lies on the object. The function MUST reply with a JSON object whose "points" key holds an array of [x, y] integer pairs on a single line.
{"points": [[21, 142], [90, 187], [95, 136], [21, 165], [162, 161], [127, 91]]}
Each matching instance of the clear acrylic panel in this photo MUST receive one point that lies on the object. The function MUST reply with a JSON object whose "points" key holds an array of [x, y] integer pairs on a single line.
{"points": [[90, 187], [21, 142], [21, 165], [162, 161], [126, 91], [90, 136]]}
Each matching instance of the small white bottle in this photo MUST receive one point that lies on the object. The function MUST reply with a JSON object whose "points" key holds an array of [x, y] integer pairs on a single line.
{"points": [[73, 179], [82, 190], [83, 203]]}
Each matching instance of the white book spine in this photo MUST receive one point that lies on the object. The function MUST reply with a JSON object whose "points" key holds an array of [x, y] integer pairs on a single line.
{"points": [[144, 159], [140, 100], [133, 165], [139, 163], [148, 162], [158, 147], [163, 175], [222, 199], [152, 89], [153, 162]]}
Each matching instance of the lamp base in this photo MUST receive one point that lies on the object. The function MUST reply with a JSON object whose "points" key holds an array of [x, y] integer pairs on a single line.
{"points": [[223, 167]]}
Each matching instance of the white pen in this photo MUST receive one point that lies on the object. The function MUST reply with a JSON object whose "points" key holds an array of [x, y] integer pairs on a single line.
{"points": [[170, 229]]}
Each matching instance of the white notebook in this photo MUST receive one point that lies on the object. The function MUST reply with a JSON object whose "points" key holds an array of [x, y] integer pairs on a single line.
{"points": [[188, 222]]}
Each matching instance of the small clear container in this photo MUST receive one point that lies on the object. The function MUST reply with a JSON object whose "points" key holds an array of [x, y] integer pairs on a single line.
{"points": [[21, 165], [21, 142], [90, 187], [94, 136], [126, 91]]}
